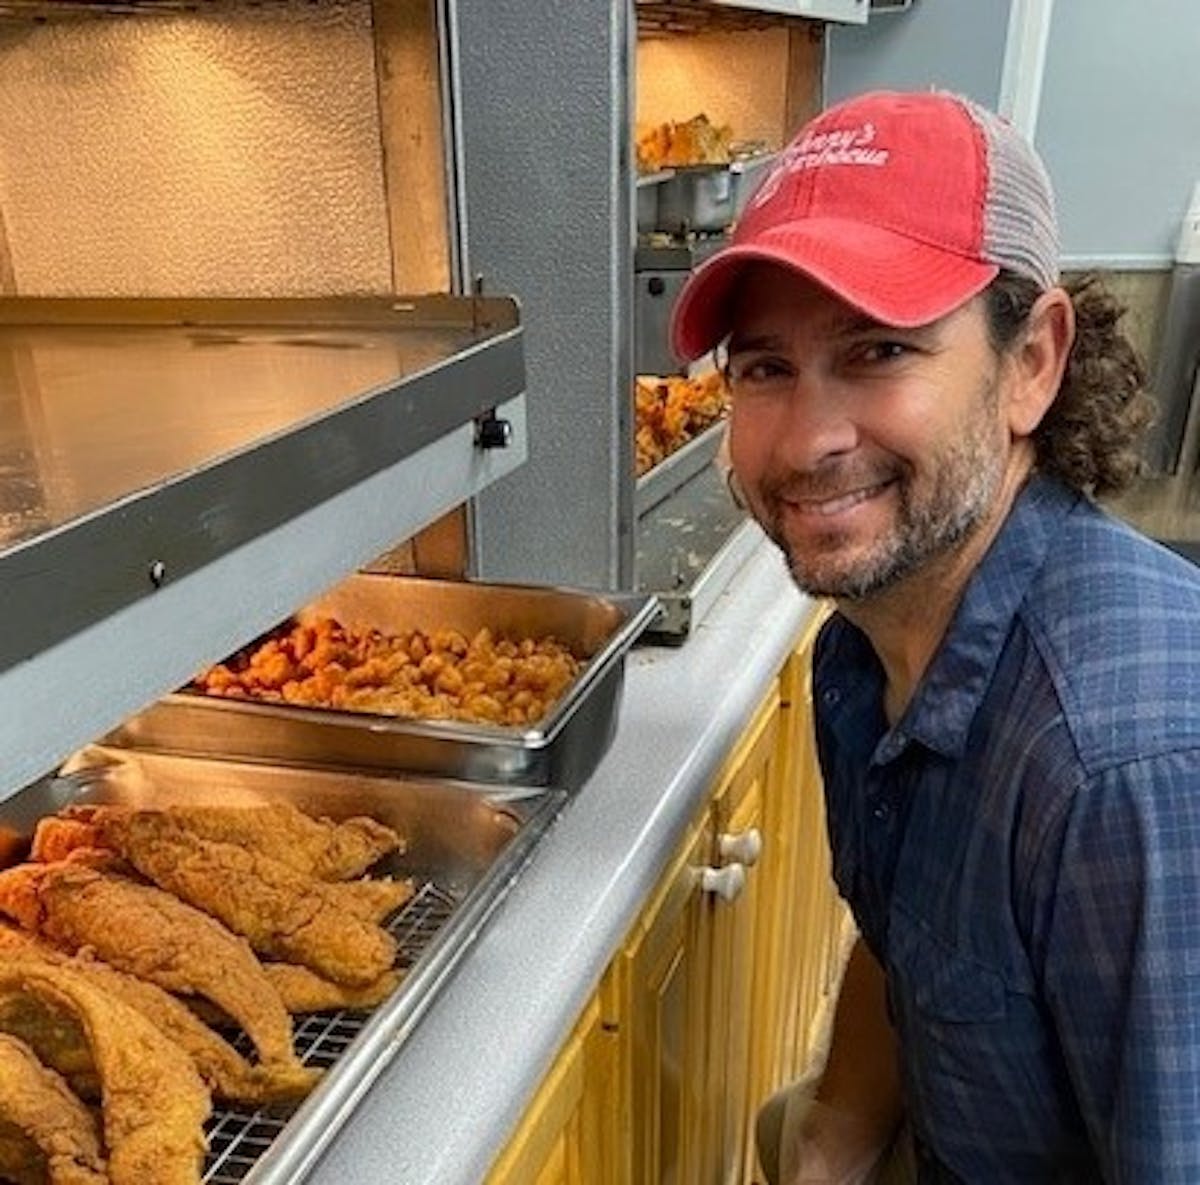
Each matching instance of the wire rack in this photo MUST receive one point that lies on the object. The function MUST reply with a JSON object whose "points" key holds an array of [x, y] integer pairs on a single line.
{"points": [[237, 1138]]}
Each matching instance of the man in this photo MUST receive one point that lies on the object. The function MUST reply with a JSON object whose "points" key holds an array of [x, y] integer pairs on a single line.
{"points": [[1008, 696]]}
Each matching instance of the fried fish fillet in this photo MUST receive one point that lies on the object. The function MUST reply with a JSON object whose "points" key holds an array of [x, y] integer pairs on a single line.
{"points": [[154, 1103], [227, 1074], [321, 848], [373, 900], [91, 840], [37, 1106], [284, 914], [303, 990], [148, 933]]}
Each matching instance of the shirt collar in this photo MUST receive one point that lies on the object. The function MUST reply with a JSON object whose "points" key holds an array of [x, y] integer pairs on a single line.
{"points": [[956, 681]]}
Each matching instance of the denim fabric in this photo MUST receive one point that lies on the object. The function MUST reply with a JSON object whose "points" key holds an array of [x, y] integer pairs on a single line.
{"points": [[1022, 854]]}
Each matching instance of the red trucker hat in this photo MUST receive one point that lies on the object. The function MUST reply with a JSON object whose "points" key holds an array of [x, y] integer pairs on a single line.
{"points": [[904, 205]]}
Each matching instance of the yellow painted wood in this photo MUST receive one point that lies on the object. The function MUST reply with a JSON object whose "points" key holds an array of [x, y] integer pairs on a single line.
{"points": [[537, 1151]]}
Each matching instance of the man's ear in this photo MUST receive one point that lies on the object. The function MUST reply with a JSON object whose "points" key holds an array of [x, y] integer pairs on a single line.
{"points": [[1038, 360]]}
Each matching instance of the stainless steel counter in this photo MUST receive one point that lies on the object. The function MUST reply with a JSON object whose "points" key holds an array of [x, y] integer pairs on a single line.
{"points": [[448, 1102]]}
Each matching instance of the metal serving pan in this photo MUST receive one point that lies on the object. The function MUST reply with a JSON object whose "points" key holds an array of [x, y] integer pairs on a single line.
{"points": [[562, 750], [466, 844], [647, 199], [709, 198]]}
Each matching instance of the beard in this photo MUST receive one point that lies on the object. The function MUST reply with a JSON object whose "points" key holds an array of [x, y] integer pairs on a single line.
{"points": [[935, 514]]}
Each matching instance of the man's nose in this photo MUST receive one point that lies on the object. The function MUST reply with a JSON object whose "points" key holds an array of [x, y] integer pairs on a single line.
{"points": [[817, 424]]}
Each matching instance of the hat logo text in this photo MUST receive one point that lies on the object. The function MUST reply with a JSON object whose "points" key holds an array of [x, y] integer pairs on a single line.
{"points": [[837, 146]]}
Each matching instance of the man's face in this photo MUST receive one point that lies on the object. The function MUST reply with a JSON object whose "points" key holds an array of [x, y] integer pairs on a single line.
{"points": [[865, 451]]}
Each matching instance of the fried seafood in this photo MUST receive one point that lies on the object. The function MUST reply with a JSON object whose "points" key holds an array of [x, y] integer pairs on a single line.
{"points": [[322, 848], [148, 933], [373, 900], [303, 990], [284, 914], [154, 1103], [671, 411], [442, 675], [227, 1074], [46, 1126], [696, 141]]}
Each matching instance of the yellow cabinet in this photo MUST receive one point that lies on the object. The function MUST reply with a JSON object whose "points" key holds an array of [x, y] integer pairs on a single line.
{"points": [[568, 1135], [722, 990]]}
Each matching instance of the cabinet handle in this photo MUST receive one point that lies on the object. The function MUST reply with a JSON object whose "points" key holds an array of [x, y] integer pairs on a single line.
{"points": [[727, 883], [745, 846]]}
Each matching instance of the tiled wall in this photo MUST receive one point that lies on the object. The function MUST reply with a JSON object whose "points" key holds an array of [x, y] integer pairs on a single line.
{"points": [[234, 151]]}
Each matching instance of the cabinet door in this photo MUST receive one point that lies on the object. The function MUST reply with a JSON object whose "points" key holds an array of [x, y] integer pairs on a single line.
{"points": [[568, 1134], [737, 981], [663, 1017]]}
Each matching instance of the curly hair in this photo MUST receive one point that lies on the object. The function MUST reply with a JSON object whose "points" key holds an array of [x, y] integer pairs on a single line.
{"points": [[1088, 439]]}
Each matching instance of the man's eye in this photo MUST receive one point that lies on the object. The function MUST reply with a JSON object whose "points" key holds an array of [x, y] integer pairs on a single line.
{"points": [[882, 351], [755, 370]]}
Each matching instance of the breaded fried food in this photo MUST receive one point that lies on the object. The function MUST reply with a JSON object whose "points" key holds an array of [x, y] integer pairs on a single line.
{"points": [[154, 1103], [373, 900], [38, 1108], [321, 848], [227, 1074], [303, 990], [148, 933], [284, 914]]}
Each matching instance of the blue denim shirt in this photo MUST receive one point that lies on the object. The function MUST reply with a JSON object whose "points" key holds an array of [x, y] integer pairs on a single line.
{"points": [[1022, 854]]}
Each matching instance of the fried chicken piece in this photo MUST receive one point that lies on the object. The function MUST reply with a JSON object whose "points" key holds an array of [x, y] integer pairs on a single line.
{"points": [[322, 848], [152, 935], [36, 1103], [154, 1104], [227, 1074], [283, 913]]}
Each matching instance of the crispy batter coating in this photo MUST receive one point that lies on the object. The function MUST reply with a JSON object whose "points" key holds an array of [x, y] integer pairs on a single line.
{"points": [[284, 914], [36, 1103], [148, 933], [226, 1073], [303, 990], [439, 675], [154, 1103], [322, 848], [373, 900]]}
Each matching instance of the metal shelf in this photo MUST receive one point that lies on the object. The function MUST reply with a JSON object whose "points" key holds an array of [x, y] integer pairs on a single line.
{"points": [[175, 476]]}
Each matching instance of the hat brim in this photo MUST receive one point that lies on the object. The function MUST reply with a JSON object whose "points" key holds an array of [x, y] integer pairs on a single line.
{"points": [[894, 279]]}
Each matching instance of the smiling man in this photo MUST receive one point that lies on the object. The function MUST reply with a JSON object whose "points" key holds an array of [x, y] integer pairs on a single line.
{"points": [[1008, 696]]}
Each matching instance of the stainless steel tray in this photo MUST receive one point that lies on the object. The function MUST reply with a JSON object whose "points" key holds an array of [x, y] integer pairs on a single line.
{"points": [[560, 751], [660, 482], [466, 844]]}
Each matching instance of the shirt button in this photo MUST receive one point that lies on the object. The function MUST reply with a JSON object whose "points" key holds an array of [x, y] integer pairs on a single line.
{"points": [[881, 811], [831, 696]]}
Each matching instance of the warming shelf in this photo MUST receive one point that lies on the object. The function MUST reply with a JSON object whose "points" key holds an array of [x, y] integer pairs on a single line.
{"points": [[176, 476]]}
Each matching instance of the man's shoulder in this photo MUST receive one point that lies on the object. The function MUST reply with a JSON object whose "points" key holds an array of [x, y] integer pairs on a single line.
{"points": [[1115, 618]]}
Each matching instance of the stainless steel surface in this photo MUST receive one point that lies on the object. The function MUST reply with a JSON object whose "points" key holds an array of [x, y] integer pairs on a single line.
{"points": [[689, 546], [679, 468], [551, 217], [561, 751], [465, 847], [748, 173], [647, 199], [696, 198], [661, 252], [141, 436], [654, 298]]}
